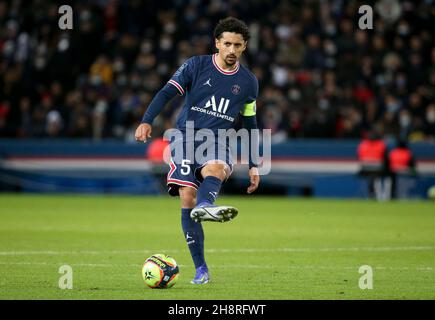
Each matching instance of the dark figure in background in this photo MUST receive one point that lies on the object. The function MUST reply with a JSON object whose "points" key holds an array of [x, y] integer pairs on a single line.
{"points": [[401, 162], [372, 157]]}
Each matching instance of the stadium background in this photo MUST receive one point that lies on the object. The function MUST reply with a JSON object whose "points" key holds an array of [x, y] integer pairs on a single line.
{"points": [[71, 100], [321, 78]]}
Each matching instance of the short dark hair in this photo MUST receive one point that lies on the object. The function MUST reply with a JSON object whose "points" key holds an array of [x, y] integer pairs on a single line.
{"points": [[231, 24]]}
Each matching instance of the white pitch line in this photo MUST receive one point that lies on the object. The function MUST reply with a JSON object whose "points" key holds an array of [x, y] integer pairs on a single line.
{"points": [[243, 250], [248, 266], [253, 250]]}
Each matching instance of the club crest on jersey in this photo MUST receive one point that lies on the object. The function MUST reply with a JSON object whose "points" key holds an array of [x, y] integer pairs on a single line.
{"points": [[235, 89]]}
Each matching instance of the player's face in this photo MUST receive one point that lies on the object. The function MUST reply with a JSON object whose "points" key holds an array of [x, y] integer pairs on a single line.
{"points": [[231, 46]]}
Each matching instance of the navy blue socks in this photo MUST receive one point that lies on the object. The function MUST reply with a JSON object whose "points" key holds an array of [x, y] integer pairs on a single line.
{"points": [[194, 236], [208, 190], [193, 232]]}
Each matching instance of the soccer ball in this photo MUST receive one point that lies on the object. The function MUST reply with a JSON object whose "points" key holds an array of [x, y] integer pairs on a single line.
{"points": [[160, 271], [431, 193]]}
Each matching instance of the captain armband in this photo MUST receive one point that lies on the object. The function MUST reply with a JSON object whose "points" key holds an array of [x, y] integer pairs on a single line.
{"points": [[249, 109]]}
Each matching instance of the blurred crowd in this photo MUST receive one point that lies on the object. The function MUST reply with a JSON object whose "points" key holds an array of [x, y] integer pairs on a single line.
{"points": [[320, 75]]}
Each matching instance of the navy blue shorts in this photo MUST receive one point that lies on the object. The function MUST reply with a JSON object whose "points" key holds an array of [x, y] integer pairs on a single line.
{"points": [[187, 160]]}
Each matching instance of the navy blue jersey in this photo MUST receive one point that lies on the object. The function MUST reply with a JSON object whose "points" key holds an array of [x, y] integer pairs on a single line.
{"points": [[214, 97]]}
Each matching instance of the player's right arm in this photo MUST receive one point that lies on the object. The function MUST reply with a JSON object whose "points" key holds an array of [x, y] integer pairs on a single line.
{"points": [[143, 131], [176, 85]]}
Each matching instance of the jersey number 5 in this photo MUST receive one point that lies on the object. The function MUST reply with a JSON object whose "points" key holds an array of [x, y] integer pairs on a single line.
{"points": [[185, 168]]}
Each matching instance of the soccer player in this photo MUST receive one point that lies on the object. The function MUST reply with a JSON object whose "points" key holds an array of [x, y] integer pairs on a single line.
{"points": [[217, 88]]}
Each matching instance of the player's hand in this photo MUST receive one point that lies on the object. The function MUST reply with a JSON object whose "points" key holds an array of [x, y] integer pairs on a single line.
{"points": [[254, 178], [143, 132]]}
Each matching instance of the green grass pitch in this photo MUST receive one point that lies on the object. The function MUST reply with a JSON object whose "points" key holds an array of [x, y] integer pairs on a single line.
{"points": [[277, 248]]}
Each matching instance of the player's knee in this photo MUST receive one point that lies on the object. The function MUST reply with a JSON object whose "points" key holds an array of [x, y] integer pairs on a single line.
{"points": [[187, 197], [217, 170]]}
